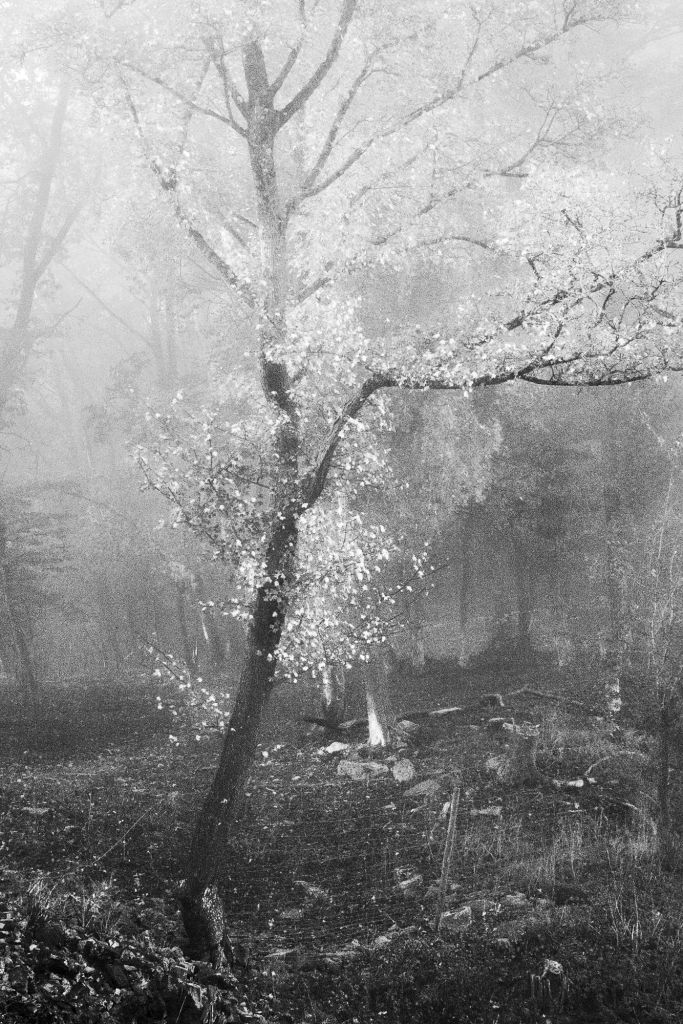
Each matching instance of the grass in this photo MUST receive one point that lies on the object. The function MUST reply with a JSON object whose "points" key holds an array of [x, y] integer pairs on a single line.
{"points": [[96, 841]]}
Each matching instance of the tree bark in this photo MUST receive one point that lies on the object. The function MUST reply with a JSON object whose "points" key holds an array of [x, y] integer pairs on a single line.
{"points": [[187, 642], [380, 715], [523, 585], [612, 661], [465, 580], [200, 900], [333, 697], [215, 642], [14, 648]]}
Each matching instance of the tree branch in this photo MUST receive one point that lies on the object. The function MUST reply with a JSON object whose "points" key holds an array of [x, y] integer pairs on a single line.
{"points": [[206, 249], [286, 68], [189, 103], [58, 240], [231, 93], [304, 94]]}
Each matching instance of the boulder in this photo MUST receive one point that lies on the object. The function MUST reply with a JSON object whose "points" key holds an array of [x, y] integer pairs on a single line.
{"points": [[426, 790], [403, 770], [455, 922]]}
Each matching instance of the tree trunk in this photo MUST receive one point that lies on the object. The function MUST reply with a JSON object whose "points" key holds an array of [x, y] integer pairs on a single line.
{"points": [[215, 642], [14, 648], [333, 698], [201, 904], [522, 767], [465, 581], [380, 715], [189, 647], [522, 574], [612, 660]]}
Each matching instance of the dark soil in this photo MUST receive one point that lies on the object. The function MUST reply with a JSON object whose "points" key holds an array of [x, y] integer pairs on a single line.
{"points": [[330, 888]]}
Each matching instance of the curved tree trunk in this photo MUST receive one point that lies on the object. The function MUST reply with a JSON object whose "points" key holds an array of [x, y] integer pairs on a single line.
{"points": [[201, 905]]}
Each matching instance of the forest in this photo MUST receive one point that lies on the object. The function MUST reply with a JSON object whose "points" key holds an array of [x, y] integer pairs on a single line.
{"points": [[341, 511]]}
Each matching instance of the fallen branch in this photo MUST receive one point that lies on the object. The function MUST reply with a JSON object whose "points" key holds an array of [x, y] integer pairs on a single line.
{"points": [[617, 753], [526, 691]]}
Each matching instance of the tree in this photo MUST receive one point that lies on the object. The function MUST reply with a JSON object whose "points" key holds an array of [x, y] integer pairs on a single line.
{"points": [[348, 152], [40, 208], [651, 567]]}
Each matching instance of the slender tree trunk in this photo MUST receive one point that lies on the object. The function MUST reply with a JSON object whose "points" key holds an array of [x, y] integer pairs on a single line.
{"points": [[200, 900], [14, 647], [188, 645], [171, 337], [612, 662], [333, 698], [105, 600], [523, 585], [215, 642], [465, 595]]}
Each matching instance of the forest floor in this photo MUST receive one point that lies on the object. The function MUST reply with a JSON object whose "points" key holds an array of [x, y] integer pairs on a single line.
{"points": [[557, 908]]}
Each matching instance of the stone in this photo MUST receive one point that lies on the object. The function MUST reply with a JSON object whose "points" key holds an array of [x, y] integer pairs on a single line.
{"points": [[408, 881], [515, 901], [427, 789], [314, 891], [494, 811], [335, 748], [352, 770], [293, 914], [455, 922], [361, 771], [403, 770]]}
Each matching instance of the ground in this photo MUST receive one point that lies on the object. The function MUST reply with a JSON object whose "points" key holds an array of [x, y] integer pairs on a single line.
{"points": [[557, 907]]}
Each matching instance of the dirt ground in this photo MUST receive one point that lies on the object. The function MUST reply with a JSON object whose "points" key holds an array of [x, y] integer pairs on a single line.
{"points": [[556, 909]]}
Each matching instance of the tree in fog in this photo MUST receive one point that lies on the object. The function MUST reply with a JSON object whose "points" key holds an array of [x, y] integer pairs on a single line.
{"points": [[43, 187], [305, 148]]}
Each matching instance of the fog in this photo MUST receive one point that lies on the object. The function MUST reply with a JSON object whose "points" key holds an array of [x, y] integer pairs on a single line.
{"points": [[340, 374]]}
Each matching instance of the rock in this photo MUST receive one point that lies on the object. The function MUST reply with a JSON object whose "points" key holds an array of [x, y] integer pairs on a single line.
{"points": [[495, 725], [293, 914], [352, 770], [335, 748], [455, 922], [494, 811], [480, 908], [408, 881], [408, 727], [497, 765], [501, 945], [427, 789], [434, 889], [515, 901], [314, 891], [403, 770], [568, 783], [361, 771]]}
